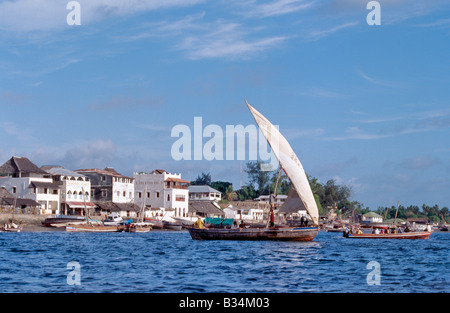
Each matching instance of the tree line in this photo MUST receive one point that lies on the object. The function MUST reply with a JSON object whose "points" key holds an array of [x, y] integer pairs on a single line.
{"points": [[433, 213], [329, 195]]}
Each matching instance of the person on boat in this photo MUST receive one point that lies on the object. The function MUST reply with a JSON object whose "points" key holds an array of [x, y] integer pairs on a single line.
{"points": [[303, 221], [359, 232], [199, 223], [346, 231], [272, 218], [376, 231]]}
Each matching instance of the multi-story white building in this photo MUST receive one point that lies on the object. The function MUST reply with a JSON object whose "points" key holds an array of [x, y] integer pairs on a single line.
{"points": [[75, 190], [162, 193], [111, 191], [24, 180], [108, 185], [204, 192]]}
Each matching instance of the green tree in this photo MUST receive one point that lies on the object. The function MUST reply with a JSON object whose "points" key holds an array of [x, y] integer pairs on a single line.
{"points": [[258, 178], [246, 193], [284, 183], [203, 179]]}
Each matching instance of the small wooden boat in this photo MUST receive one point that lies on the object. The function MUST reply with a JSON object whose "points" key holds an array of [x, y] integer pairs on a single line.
{"points": [[155, 223], [408, 235], [138, 227], [63, 221], [113, 219], [13, 228], [267, 233], [94, 228], [172, 226]]}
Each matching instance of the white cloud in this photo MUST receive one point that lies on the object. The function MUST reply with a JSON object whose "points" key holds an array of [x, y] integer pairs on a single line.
{"points": [[50, 15], [420, 162], [229, 40], [274, 8], [319, 34]]}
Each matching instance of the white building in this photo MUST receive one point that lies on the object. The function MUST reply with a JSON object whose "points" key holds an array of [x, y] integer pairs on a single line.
{"points": [[108, 185], [111, 191], [24, 180], [162, 193], [279, 199], [372, 217], [204, 193], [75, 190], [247, 214]]}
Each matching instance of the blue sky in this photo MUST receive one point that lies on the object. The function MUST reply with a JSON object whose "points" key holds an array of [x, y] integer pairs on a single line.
{"points": [[365, 105]]}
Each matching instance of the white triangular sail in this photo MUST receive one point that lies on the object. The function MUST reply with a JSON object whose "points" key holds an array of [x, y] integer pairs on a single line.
{"points": [[289, 162]]}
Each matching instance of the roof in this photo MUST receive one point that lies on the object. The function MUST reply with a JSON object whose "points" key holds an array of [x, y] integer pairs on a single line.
{"points": [[59, 170], [372, 214], [202, 188], [418, 219], [20, 165], [7, 199], [19, 202], [159, 172], [116, 207], [4, 193], [109, 171], [293, 203], [205, 207], [39, 184]]}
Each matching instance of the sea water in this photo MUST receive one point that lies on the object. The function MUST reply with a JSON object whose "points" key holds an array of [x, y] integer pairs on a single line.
{"points": [[172, 262]]}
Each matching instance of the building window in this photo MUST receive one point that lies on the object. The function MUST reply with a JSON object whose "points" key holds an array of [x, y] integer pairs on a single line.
{"points": [[157, 194], [148, 194], [168, 197], [14, 189], [139, 195]]}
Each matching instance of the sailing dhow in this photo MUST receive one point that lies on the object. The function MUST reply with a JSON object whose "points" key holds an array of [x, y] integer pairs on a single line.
{"points": [[294, 170]]}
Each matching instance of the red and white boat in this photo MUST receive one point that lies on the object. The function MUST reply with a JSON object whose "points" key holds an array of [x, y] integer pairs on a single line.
{"points": [[408, 235]]}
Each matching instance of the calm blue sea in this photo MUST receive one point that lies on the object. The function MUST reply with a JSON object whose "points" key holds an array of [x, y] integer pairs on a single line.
{"points": [[171, 262]]}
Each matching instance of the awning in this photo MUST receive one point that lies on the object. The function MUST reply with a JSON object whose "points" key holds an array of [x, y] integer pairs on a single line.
{"points": [[80, 205]]}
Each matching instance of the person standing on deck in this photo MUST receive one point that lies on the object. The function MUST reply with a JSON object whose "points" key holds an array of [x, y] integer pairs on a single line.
{"points": [[199, 223]]}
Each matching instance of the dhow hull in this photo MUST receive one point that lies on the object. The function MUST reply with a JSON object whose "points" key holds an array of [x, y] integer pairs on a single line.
{"points": [[280, 234]]}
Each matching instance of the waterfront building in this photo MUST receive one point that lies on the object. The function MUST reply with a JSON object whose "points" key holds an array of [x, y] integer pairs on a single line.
{"points": [[248, 214], [204, 193], [162, 194], [24, 180], [75, 190], [109, 188], [278, 201], [372, 217], [9, 203], [205, 209]]}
